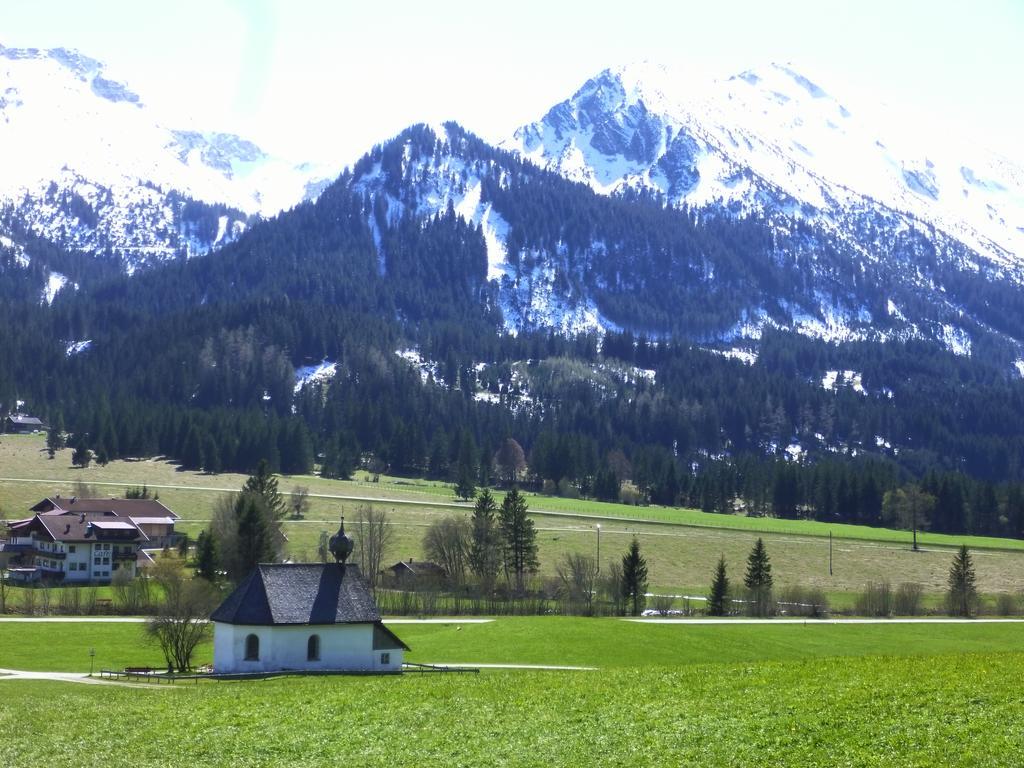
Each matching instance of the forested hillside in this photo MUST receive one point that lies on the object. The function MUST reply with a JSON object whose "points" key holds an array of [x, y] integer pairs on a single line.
{"points": [[383, 284]]}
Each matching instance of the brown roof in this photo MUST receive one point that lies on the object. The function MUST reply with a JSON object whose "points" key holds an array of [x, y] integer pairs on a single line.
{"points": [[419, 568], [86, 528], [119, 507]]}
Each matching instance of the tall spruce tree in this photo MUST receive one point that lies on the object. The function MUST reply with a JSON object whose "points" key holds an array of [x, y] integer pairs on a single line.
{"points": [[264, 484], [206, 556], [519, 539], [485, 545], [256, 533], [634, 578], [962, 597], [758, 580], [718, 599]]}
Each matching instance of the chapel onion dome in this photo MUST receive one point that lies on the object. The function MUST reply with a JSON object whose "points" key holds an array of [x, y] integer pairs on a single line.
{"points": [[341, 545]]}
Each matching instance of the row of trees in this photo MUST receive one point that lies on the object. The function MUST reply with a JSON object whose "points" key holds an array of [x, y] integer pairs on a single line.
{"points": [[962, 597]]}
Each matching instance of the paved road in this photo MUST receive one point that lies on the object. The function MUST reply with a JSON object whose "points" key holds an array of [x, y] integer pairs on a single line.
{"points": [[658, 620], [476, 665]]}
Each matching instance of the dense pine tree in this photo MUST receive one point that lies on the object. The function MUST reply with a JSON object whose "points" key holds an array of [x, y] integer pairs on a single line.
{"points": [[264, 484], [519, 540], [962, 595], [634, 578], [758, 580], [718, 598]]}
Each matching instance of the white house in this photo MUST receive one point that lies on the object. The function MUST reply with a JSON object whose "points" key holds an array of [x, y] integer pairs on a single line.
{"points": [[74, 548], [303, 617], [151, 516]]}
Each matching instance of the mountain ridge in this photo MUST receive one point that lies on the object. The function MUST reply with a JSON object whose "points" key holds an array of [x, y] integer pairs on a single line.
{"points": [[91, 168]]}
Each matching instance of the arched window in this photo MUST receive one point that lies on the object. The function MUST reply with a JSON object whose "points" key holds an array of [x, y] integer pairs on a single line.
{"points": [[313, 648], [252, 648]]}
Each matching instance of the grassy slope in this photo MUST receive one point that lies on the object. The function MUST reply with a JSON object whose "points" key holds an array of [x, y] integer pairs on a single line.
{"points": [[681, 557], [656, 701]]}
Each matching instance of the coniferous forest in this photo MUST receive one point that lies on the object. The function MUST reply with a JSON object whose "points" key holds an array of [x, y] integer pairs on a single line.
{"points": [[196, 359]]}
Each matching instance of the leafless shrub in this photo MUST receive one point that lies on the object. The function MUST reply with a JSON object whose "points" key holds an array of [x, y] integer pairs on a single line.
{"points": [[907, 601], [875, 600]]}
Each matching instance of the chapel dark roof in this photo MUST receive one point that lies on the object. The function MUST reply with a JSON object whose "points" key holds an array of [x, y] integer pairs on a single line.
{"points": [[300, 593]]}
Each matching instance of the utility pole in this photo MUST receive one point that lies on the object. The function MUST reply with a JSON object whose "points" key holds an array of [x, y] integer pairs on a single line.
{"points": [[830, 553]]}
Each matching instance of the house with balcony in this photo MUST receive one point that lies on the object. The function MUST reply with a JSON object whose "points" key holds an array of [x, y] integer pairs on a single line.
{"points": [[151, 516], [73, 548]]}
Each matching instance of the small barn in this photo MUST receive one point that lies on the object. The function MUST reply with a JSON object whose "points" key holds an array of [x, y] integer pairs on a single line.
{"points": [[20, 424], [417, 573], [304, 617]]}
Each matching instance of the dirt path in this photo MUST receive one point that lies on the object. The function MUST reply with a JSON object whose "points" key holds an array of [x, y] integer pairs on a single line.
{"points": [[69, 677]]}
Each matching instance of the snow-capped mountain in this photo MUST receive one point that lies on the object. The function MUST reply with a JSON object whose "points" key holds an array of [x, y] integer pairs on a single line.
{"points": [[88, 166], [562, 256], [772, 139]]}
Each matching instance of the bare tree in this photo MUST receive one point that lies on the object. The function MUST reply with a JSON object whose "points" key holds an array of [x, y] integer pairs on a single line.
{"points": [[180, 623], [132, 593], [376, 467], [611, 586], [510, 461], [298, 501], [447, 543], [374, 536], [578, 576]]}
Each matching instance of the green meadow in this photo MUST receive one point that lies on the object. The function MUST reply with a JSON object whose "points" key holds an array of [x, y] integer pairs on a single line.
{"points": [[733, 695], [681, 545]]}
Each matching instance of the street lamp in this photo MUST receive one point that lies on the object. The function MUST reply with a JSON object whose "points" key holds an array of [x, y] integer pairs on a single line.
{"points": [[92, 654], [599, 546]]}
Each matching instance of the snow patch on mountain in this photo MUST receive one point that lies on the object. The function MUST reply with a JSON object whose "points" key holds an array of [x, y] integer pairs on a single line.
{"points": [[745, 356], [428, 369], [321, 373], [77, 347], [55, 282], [833, 380]]}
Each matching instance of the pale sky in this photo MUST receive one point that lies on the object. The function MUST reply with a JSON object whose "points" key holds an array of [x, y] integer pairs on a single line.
{"points": [[324, 80]]}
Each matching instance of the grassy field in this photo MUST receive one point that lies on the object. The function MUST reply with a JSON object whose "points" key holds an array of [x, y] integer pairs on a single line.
{"points": [[682, 549], [603, 643], [663, 695]]}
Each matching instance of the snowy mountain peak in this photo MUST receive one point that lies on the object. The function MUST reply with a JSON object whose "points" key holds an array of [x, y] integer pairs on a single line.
{"points": [[89, 166], [774, 139], [86, 69]]}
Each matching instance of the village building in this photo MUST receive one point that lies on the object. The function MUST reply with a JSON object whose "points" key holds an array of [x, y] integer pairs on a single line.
{"points": [[81, 548], [19, 424], [150, 515], [411, 574], [304, 617]]}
